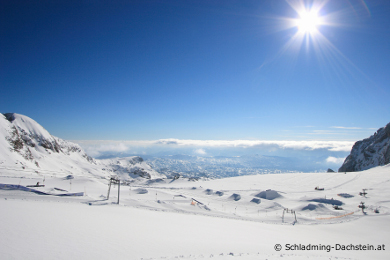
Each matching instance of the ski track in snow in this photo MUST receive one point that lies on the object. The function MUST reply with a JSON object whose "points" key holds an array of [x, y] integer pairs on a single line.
{"points": [[349, 181]]}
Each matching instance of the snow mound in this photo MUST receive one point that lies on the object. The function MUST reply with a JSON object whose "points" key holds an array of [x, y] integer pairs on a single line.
{"points": [[327, 201], [256, 200], [141, 191], [345, 195], [235, 197], [268, 195], [219, 193], [312, 207], [318, 209], [208, 191]]}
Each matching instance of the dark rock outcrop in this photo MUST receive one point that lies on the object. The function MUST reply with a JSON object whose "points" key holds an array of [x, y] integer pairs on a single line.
{"points": [[370, 152]]}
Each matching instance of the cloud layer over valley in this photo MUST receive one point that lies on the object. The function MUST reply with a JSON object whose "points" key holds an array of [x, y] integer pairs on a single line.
{"points": [[97, 148]]}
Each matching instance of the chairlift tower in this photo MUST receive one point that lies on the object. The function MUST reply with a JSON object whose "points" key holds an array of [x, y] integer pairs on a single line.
{"points": [[289, 211], [362, 206], [364, 193], [114, 180]]}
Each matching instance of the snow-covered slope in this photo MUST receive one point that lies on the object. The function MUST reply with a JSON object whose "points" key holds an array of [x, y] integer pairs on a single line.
{"points": [[370, 152], [26, 146], [24, 142], [205, 219]]}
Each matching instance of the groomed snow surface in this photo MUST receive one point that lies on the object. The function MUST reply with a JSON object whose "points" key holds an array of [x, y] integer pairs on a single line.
{"points": [[233, 218]]}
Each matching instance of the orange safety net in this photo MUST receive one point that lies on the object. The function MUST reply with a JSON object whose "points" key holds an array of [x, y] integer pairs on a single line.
{"points": [[338, 216]]}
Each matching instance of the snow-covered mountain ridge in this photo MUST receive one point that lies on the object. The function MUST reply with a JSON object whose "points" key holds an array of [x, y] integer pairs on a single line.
{"points": [[26, 145], [370, 152], [30, 140]]}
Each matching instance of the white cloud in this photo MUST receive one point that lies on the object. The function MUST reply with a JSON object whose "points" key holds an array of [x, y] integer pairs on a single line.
{"points": [[96, 147], [200, 151], [323, 132], [346, 127], [335, 160], [297, 145]]}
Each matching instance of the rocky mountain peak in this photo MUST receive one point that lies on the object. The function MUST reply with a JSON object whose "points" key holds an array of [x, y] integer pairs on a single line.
{"points": [[370, 152], [26, 146], [9, 116]]}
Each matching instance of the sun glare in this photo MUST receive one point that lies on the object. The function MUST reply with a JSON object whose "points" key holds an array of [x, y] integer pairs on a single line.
{"points": [[308, 21], [307, 29]]}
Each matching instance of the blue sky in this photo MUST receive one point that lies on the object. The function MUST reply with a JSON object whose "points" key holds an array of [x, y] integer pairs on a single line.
{"points": [[202, 70]]}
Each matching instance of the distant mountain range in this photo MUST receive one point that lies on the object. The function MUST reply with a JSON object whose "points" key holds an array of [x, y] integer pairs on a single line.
{"points": [[370, 152], [228, 166]]}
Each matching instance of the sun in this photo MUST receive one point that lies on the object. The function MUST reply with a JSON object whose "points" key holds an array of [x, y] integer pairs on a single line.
{"points": [[308, 22], [307, 26]]}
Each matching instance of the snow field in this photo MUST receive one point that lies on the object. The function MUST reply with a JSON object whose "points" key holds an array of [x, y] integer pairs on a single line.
{"points": [[157, 220]]}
